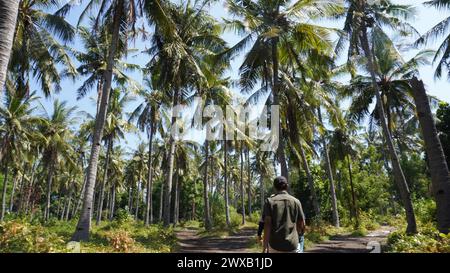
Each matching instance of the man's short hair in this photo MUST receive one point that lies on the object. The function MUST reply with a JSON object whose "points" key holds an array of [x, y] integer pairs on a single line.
{"points": [[280, 183]]}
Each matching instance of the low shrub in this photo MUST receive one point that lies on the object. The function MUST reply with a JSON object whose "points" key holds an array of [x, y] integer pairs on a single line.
{"points": [[120, 240], [428, 240], [17, 236]]}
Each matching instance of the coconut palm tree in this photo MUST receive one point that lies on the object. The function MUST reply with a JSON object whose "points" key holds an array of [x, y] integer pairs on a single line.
{"points": [[364, 28], [18, 129], [393, 79], [121, 16], [147, 119], [341, 148], [57, 133], [442, 55], [115, 127], [440, 175], [268, 26], [9, 10], [94, 58], [37, 52], [181, 60]]}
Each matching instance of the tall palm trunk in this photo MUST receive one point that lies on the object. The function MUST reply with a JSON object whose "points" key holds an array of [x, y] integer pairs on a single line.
{"points": [[276, 101], [84, 223], [30, 188], [105, 179], [440, 176], [51, 169], [352, 189], [149, 199], [249, 179], [335, 213], [242, 193], [399, 177], [138, 197], [193, 209], [69, 202], [175, 197], [208, 224], [168, 187], [310, 178], [83, 189], [261, 191], [5, 186], [161, 202], [13, 191], [113, 201], [225, 164], [9, 10]]}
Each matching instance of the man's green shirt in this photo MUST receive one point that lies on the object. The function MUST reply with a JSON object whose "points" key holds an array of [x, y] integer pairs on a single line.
{"points": [[285, 210]]}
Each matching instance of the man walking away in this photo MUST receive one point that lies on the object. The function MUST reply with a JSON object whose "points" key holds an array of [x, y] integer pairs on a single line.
{"points": [[284, 221]]}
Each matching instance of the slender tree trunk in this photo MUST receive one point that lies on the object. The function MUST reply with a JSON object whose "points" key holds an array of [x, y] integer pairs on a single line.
{"points": [[168, 187], [175, 199], [276, 101], [69, 202], [180, 185], [113, 201], [335, 213], [130, 198], [310, 178], [84, 223], [194, 212], [30, 189], [108, 203], [5, 186], [398, 172], [80, 198], [8, 10], [149, 199], [249, 187], [225, 163], [105, 180], [161, 202], [261, 191], [208, 224], [21, 193], [49, 190], [13, 191], [242, 183], [352, 188], [440, 177], [138, 196]]}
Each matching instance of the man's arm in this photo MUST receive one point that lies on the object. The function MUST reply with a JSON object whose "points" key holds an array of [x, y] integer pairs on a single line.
{"points": [[301, 226], [267, 228]]}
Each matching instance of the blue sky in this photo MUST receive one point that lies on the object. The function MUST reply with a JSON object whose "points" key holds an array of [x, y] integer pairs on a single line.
{"points": [[425, 19]]}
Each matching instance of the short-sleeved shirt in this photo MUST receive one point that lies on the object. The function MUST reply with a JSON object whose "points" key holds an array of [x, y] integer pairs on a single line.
{"points": [[285, 211]]}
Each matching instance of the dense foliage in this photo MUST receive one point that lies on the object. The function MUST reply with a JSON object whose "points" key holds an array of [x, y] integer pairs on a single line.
{"points": [[353, 150]]}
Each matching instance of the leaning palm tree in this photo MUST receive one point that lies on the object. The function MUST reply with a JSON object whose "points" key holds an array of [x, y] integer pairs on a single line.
{"points": [[115, 128], [440, 175], [8, 10], [393, 79], [120, 16], [364, 27], [439, 170]]}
